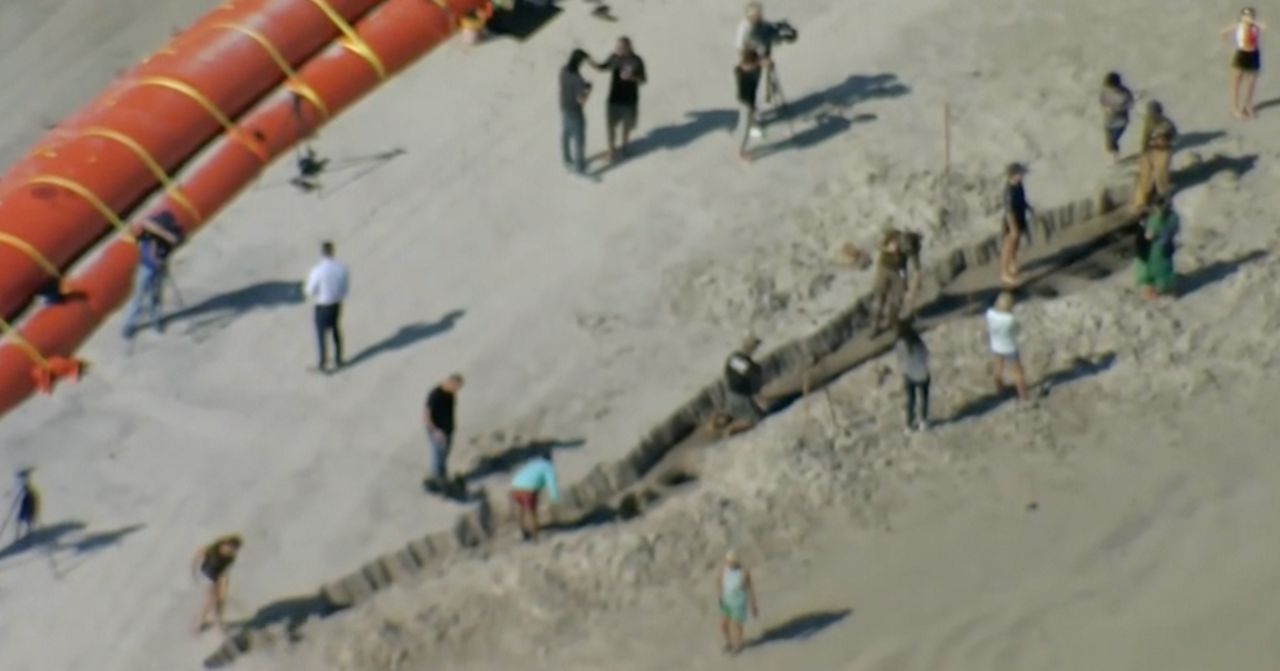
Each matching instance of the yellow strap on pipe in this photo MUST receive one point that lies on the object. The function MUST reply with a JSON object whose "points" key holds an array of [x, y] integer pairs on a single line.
{"points": [[89, 197], [174, 191], [7, 329], [296, 84], [32, 253], [191, 92], [351, 40]]}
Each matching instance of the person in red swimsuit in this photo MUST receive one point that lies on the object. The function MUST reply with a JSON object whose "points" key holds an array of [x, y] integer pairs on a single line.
{"points": [[1246, 62]]}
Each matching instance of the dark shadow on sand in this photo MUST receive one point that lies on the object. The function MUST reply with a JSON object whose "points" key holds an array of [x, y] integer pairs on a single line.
{"points": [[1080, 369], [291, 613], [825, 126], [408, 335], [90, 544], [1197, 139], [224, 308], [1267, 104], [801, 627], [100, 540], [47, 538], [840, 97], [509, 459], [522, 22], [1216, 272], [674, 136], [822, 115]]}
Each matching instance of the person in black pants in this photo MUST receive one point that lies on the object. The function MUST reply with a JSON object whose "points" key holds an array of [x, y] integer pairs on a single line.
{"points": [[746, 76], [327, 286], [439, 415], [913, 357]]}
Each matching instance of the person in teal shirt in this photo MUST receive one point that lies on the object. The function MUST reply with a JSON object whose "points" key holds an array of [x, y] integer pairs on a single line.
{"points": [[535, 476]]}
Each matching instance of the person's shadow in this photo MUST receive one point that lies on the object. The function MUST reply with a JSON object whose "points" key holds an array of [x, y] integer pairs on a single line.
{"points": [[1079, 369], [828, 111], [508, 459], [801, 627], [408, 334], [222, 309], [674, 136]]}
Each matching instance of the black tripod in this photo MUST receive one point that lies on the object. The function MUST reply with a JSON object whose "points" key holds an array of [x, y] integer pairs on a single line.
{"points": [[773, 92]]}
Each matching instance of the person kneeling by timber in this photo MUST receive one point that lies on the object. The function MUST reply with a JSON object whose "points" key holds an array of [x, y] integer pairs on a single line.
{"points": [[213, 564], [536, 475], [1157, 240], [743, 377], [897, 276]]}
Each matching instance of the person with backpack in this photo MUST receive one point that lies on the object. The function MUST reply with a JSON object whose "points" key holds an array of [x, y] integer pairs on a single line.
{"points": [[157, 237], [743, 380]]}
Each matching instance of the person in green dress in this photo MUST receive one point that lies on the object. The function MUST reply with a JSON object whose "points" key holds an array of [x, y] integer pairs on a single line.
{"points": [[1156, 245], [737, 598]]}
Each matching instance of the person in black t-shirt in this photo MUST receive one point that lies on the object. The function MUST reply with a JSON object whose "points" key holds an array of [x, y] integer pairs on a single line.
{"points": [[747, 77], [213, 564], [438, 416], [1017, 219], [623, 107]]}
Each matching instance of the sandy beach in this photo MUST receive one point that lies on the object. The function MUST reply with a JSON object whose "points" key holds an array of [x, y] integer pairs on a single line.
{"points": [[582, 310]]}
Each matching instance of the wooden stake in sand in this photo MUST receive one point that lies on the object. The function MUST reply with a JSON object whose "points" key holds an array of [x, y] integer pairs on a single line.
{"points": [[946, 140]]}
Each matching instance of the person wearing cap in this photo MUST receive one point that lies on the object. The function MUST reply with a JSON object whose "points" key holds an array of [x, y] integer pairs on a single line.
{"points": [[743, 377], [212, 565], [1017, 220], [897, 276], [737, 598], [537, 475], [157, 236], [1158, 137]]}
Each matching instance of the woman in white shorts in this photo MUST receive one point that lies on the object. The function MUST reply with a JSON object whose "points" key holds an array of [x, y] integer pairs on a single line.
{"points": [[1002, 330]]}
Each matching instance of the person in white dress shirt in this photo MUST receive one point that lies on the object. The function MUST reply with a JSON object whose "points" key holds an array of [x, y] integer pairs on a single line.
{"points": [[327, 286]]}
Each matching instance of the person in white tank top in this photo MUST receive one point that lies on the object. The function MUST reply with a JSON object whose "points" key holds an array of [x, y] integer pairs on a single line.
{"points": [[1002, 331], [1246, 62]]}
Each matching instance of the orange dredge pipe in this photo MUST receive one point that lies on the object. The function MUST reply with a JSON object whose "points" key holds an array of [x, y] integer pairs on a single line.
{"points": [[144, 126], [385, 41]]}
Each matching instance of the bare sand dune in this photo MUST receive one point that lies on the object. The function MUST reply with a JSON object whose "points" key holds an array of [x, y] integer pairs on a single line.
{"points": [[590, 310]]}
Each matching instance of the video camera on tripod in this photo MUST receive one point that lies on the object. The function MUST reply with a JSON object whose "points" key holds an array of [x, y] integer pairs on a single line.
{"points": [[770, 33]]}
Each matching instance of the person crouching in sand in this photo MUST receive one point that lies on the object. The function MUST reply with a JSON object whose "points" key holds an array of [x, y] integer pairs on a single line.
{"points": [[1002, 329], [736, 595], [536, 475], [213, 564]]}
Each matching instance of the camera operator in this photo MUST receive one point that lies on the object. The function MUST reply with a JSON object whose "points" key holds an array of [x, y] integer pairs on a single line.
{"points": [[756, 34], [157, 238]]}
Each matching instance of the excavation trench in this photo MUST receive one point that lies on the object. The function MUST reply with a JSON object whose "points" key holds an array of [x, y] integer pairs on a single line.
{"points": [[1071, 247]]}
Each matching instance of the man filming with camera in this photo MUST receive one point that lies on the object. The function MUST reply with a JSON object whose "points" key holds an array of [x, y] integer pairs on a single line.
{"points": [[756, 34], [157, 237]]}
